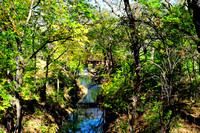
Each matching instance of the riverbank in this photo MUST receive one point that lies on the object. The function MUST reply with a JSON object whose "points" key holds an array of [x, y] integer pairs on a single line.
{"points": [[87, 116], [48, 115]]}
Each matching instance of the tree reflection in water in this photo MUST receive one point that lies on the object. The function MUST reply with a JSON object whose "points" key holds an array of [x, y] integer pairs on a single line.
{"points": [[86, 119]]}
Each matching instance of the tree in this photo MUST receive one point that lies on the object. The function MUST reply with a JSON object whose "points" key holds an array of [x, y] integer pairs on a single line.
{"points": [[194, 5], [133, 33], [28, 29], [158, 28]]}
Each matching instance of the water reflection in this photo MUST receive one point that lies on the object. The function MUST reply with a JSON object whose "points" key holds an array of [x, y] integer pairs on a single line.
{"points": [[86, 119], [91, 120], [92, 94]]}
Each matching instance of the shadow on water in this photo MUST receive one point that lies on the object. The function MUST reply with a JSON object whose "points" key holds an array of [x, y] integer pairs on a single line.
{"points": [[88, 117]]}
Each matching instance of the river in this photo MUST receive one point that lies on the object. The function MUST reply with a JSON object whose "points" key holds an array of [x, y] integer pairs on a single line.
{"points": [[87, 117]]}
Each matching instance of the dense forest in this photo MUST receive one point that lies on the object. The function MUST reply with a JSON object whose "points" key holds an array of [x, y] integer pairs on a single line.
{"points": [[148, 54]]}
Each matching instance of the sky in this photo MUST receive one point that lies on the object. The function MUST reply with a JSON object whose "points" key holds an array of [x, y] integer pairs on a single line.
{"points": [[102, 4], [105, 6]]}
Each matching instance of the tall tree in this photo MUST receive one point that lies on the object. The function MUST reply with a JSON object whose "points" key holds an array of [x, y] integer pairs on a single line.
{"points": [[30, 28], [136, 50], [195, 6]]}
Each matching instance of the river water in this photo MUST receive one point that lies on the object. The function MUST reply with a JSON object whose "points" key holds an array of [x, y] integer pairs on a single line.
{"points": [[86, 118]]}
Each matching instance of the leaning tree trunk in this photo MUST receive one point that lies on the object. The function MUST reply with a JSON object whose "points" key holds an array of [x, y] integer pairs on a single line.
{"points": [[18, 79]]}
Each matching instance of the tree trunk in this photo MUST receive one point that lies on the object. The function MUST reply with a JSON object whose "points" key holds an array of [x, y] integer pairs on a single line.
{"points": [[130, 118], [152, 53], [136, 49], [58, 86], [134, 41], [195, 5], [19, 115], [18, 79], [196, 15], [43, 89], [8, 120], [162, 129]]}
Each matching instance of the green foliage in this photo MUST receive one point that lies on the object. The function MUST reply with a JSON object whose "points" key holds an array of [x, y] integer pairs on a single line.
{"points": [[118, 89], [154, 113], [5, 87], [53, 31], [66, 33]]}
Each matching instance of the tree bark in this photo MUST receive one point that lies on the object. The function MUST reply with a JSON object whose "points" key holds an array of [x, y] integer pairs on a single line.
{"points": [[195, 5], [58, 86], [18, 79], [134, 41], [43, 92], [196, 15], [19, 115], [8, 120], [136, 50], [152, 53]]}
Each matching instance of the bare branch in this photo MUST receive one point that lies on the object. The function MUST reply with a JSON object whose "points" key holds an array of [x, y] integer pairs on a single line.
{"points": [[29, 16], [43, 45], [56, 58], [36, 4], [112, 8], [169, 4], [175, 63], [157, 66], [175, 26], [99, 8]]}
